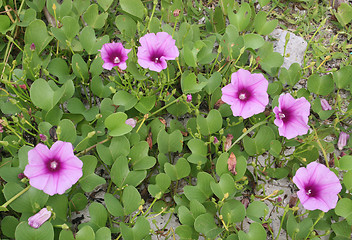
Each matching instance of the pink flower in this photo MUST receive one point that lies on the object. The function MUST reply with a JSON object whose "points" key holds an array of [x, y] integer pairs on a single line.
{"points": [[246, 93], [343, 138], [318, 187], [39, 218], [43, 138], [189, 98], [292, 116], [55, 170], [325, 105], [155, 50], [131, 121], [114, 54]]}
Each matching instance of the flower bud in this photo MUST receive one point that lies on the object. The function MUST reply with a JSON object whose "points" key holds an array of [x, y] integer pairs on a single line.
{"points": [[325, 105], [231, 163], [32, 47], [38, 219], [177, 12], [43, 138], [343, 138], [131, 121], [189, 98]]}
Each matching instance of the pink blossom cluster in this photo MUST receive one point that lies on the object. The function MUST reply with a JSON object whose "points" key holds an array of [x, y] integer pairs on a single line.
{"points": [[153, 53]]}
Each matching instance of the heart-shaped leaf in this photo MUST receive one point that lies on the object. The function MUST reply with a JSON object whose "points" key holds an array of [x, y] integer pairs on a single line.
{"points": [[262, 26], [242, 18], [113, 205], [202, 191], [199, 151], [233, 211], [163, 181], [189, 83], [121, 174], [89, 181], [89, 42], [37, 33], [205, 224], [25, 232], [93, 18], [211, 124], [125, 99], [226, 185], [116, 124], [178, 171], [170, 142]]}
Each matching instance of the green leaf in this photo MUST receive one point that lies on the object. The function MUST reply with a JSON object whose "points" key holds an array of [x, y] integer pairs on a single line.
{"points": [[233, 211], [212, 83], [99, 89], [256, 232], [344, 14], [63, 8], [31, 201], [131, 199], [292, 75], [172, 142], [218, 20], [205, 224], [59, 203], [79, 67], [202, 191], [256, 210], [126, 25], [253, 41], [26, 232], [133, 7], [139, 231], [342, 230], [85, 233], [42, 95], [93, 18], [345, 162], [68, 31], [242, 18], [89, 42], [8, 226], [37, 5], [344, 209], [98, 215], [163, 181], [146, 104], [78, 202], [116, 124], [322, 85], [119, 146], [4, 24], [347, 180], [125, 99], [342, 77], [262, 26], [199, 151], [58, 67], [105, 4], [89, 181], [103, 233], [226, 185], [189, 56], [189, 83], [211, 124], [178, 171], [37, 33], [121, 175], [113, 205]]}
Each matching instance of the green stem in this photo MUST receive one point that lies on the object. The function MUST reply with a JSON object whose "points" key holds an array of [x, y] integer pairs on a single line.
{"points": [[282, 221], [16, 196], [248, 131]]}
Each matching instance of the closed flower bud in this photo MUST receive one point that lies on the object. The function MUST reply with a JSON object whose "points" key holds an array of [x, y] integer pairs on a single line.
{"points": [[343, 138], [325, 105], [32, 47], [131, 121], [189, 98], [40, 218]]}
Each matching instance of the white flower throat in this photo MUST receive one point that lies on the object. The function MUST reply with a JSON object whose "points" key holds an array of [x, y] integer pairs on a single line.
{"points": [[117, 60]]}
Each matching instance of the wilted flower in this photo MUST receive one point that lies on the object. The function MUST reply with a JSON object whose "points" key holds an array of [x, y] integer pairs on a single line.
{"points": [[343, 138], [228, 142], [318, 187], [55, 170], [216, 140], [23, 86], [189, 98], [325, 105], [131, 121], [292, 116], [114, 54], [39, 218], [155, 50], [246, 93], [231, 163], [176, 12]]}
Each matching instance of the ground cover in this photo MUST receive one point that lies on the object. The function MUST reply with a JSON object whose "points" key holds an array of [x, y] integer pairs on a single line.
{"points": [[175, 119]]}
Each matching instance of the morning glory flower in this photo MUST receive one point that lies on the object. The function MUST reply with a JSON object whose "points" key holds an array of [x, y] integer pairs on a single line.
{"points": [[342, 142], [39, 218], [292, 116], [114, 54], [131, 121], [246, 93], [53, 170], [155, 49], [318, 187]]}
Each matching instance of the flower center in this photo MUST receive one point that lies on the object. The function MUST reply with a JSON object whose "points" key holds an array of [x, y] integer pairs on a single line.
{"points": [[281, 115], [242, 96], [117, 60], [156, 60], [53, 165], [312, 191]]}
